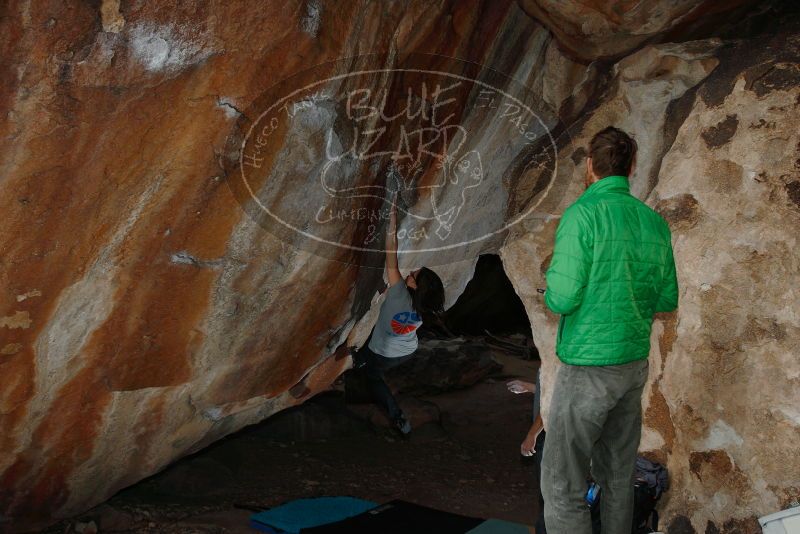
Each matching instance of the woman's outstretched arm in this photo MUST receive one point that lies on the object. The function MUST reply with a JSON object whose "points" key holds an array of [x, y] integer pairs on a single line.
{"points": [[392, 270]]}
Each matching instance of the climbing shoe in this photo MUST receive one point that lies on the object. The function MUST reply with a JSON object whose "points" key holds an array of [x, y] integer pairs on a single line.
{"points": [[402, 424]]}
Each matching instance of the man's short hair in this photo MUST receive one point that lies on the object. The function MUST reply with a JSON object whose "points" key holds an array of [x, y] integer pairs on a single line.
{"points": [[612, 152]]}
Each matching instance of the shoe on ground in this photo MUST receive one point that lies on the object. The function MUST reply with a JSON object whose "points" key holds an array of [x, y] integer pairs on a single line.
{"points": [[402, 424]]}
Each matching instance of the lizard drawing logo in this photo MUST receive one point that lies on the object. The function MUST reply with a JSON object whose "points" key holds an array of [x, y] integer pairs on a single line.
{"points": [[318, 161], [404, 178]]}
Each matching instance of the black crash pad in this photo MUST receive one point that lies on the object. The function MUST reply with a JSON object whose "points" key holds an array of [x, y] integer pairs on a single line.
{"points": [[400, 517]]}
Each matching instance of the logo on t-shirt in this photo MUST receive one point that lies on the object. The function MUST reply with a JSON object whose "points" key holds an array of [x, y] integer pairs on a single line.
{"points": [[405, 322]]}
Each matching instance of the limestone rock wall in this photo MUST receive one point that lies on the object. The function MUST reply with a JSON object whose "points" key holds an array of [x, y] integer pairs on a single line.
{"points": [[144, 314], [724, 405]]}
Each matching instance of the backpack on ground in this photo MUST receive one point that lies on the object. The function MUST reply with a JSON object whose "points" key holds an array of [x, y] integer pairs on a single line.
{"points": [[651, 481]]}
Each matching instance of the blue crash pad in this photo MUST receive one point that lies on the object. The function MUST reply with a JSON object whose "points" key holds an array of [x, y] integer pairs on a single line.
{"points": [[289, 518], [496, 526]]}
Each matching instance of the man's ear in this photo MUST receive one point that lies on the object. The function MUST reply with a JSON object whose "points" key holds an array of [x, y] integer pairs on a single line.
{"points": [[633, 167], [590, 177]]}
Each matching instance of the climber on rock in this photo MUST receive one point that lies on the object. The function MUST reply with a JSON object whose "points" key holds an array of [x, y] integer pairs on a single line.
{"points": [[612, 270], [394, 338]]}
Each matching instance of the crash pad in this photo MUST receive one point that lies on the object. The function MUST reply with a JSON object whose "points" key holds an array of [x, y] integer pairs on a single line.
{"points": [[294, 516], [400, 517]]}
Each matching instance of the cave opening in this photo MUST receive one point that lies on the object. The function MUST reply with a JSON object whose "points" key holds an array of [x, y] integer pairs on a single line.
{"points": [[461, 457], [489, 306]]}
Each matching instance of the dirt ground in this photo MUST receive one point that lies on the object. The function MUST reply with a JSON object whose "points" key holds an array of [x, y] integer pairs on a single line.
{"points": [[462, 456]]}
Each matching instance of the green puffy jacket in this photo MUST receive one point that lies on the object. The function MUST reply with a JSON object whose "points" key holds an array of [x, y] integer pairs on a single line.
{"points": [[612, 269]]}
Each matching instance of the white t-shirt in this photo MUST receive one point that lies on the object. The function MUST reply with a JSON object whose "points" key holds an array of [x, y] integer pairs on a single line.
{"points": [[395, 333]]}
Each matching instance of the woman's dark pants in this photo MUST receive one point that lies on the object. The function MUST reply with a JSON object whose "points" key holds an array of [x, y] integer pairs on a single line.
{"points": [[374, 366]]}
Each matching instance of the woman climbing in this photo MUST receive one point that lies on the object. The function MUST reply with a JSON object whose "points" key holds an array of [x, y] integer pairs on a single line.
{"points": [[394, 338]]}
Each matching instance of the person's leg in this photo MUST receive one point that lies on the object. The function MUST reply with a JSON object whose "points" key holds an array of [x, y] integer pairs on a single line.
{"points": [[578, 411], [374, 368], [540, 526], [614, 455]]}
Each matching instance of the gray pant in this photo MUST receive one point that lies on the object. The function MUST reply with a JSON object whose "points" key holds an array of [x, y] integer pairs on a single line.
{"points": [[595, 415]]}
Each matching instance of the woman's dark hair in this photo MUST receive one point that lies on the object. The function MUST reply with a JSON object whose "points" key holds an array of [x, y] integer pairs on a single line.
{"points": [[612, 152], [428, 297]]}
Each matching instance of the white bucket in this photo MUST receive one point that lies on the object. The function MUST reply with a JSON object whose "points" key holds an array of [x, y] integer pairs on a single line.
{"points": [[785, 522]]}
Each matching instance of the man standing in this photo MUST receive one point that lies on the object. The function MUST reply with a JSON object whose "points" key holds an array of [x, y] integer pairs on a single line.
{"points": [[612, 269]]}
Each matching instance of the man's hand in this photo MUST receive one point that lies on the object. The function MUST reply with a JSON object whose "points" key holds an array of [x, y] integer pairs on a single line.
{"points": [[519, 386]]}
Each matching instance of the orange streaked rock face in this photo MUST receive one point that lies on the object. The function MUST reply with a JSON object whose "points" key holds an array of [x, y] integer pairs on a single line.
{"points": [[144, 315]]}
